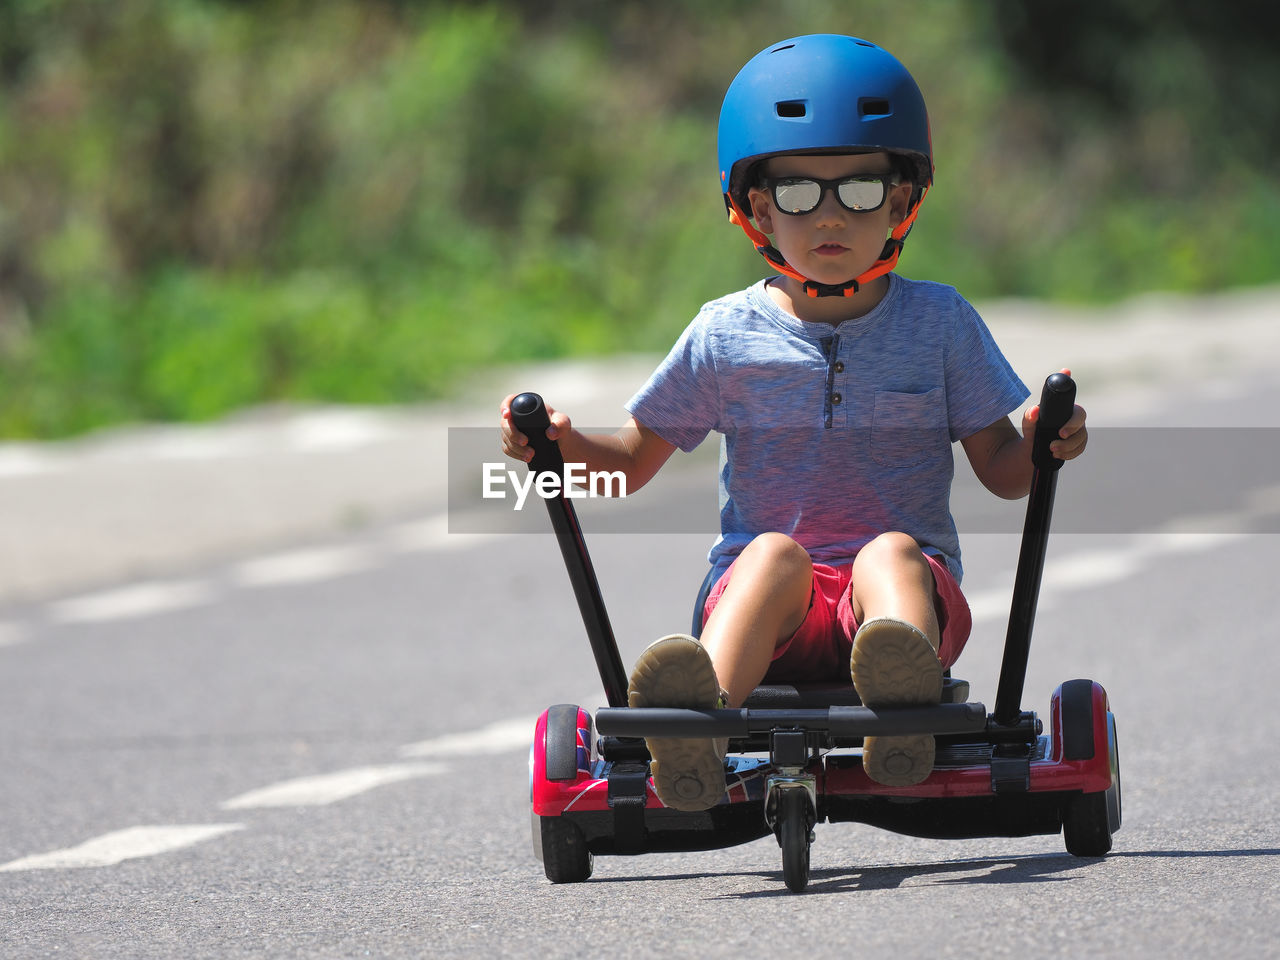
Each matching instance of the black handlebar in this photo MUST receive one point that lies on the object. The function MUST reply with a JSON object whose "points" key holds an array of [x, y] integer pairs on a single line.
{"points": [[529, 414], [1057, 402]]}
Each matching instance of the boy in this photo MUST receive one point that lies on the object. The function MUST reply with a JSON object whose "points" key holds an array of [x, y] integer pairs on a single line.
{"points": [[839, 388]]}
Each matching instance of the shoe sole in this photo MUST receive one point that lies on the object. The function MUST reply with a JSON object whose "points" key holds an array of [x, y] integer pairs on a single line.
{"points": [[894, 665], [688, 774]]}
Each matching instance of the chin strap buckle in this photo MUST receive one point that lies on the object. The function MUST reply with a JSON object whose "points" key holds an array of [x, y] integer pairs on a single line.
{"points": [[815, 289]]}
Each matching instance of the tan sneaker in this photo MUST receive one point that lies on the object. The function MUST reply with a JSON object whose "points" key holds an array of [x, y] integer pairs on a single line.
{"points": [[676, 671], [895, 665]]}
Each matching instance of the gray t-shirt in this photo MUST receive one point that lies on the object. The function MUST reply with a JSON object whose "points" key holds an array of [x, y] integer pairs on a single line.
{"points": [[833, 436]]}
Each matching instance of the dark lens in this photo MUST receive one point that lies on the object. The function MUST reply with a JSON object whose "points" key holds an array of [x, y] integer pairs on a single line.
{"points": [[796, 196], [862, 194]]}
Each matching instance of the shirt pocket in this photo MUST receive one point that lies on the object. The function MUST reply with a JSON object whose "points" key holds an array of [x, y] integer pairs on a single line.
{"points": [[909, 429]]}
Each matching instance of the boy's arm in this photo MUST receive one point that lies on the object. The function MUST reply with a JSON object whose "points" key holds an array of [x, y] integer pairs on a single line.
{"points": [[634, 450], [1001, 458]]}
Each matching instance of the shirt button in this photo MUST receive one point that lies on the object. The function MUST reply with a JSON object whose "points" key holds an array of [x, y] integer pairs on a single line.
{"points": [[835, 398], [839, 366]]}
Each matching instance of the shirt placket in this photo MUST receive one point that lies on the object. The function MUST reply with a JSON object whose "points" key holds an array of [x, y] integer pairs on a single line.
{"points": [[833, 415]]}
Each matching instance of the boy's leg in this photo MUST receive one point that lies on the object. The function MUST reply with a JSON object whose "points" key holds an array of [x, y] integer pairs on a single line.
{"points": [[895, 661], [676, 672], [892, 578], [762, 604]]}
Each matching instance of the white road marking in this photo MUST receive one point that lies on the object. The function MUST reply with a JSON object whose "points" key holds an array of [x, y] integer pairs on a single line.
{"points": [[137, 600], [1264, 502], [303, 566], [1089, 568], [503, 736], [1076, 571], [989, 604], [432, 533], [329, 788], [1171, 543], [128, 844], [12, 634]]}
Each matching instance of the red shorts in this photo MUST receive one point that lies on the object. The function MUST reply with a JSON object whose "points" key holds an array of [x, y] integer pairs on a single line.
{"points": [[821, 647]]}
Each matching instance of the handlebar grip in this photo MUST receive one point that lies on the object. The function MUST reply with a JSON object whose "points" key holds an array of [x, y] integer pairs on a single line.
{"points": [[529, 414], [1057, 402]]}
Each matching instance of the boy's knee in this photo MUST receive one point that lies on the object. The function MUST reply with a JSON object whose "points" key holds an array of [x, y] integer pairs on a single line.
{"points": [[895, 548], [781, 553]]}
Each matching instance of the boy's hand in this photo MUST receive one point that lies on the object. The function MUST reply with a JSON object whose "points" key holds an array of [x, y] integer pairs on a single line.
{"points": [[1072, 438], [515, 444]]}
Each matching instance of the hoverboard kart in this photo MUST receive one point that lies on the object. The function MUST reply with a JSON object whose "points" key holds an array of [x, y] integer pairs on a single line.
{"points": [[791, 762]]}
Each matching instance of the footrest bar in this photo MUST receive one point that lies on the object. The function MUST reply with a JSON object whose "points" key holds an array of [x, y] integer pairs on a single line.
{"points": [[944, 718]]}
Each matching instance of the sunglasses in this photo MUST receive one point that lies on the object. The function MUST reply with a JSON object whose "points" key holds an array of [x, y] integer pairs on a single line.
{"points": [[860, 194]]}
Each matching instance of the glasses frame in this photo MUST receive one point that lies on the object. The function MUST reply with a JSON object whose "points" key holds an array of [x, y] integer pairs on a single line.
{"points": [[886, 180]]}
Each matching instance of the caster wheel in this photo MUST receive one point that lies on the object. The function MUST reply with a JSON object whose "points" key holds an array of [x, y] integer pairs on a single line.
{"points": [[795, 822]]}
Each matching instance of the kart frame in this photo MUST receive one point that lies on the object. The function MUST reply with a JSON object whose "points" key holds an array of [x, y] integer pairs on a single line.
{"points": [[790, 764]]}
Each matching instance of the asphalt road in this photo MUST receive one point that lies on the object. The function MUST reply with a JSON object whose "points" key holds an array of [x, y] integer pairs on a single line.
{"points": [[321, 752]]}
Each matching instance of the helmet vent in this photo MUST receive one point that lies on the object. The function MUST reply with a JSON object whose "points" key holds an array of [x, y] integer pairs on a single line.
{"points": [[785, 46], [792, 109], [874, 107]]}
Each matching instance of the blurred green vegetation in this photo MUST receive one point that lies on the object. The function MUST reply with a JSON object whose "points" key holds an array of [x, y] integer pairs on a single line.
{"points": [[206, 204]]}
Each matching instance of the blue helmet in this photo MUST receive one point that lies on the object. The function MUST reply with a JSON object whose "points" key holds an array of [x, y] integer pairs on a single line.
{"points": [[822, 93]]}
